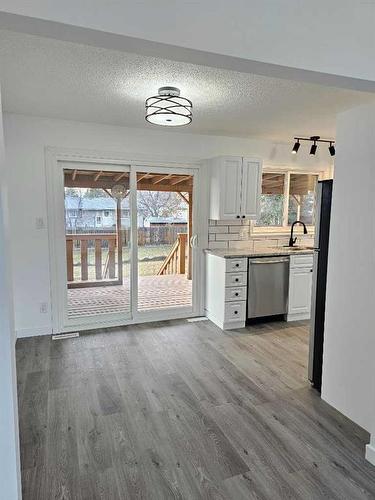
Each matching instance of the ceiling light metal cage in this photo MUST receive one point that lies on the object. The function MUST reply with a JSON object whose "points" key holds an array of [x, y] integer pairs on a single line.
{"points": [[168, 108]]}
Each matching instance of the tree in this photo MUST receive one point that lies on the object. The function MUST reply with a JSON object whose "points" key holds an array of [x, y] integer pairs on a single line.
{"points": [[96, 193], [73, 192], [161, 204]]}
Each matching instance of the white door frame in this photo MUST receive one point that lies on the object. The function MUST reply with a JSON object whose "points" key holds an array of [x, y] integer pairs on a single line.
{"points": [[55, 214]]}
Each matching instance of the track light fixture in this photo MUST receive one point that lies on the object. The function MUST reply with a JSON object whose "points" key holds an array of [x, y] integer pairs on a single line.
{"points": [[296, 147], [314, 139], [314, 147]]}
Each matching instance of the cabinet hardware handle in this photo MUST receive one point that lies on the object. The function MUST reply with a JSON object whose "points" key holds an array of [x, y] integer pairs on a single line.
{"points": [[243, 216], [236, 279], [237, 265], [236, 294], [311, 270], [235, 312], [238, 216]]}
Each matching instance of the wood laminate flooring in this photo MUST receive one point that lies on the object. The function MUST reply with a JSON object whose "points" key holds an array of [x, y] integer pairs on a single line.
{"points": [[180, 410]]}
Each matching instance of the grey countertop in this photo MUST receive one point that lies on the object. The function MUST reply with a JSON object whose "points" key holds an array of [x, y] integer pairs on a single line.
{"points": [[266, 252]]}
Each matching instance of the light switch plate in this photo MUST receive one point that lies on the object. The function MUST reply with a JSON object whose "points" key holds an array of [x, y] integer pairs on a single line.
{"points": [[39, 223]]}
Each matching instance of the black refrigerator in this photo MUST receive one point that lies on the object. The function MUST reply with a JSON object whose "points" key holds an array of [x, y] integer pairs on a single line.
{"points": [[318, 302]]}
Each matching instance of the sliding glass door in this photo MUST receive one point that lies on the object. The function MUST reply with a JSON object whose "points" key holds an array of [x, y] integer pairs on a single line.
{"points": [[164, 232], [124, 244], [97, 243]]}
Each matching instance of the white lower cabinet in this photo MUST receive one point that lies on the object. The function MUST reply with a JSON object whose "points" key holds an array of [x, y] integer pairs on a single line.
{"points": [[300, 282], [226, 287]]}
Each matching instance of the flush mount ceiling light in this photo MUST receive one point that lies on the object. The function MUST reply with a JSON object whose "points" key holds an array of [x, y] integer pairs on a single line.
{"points": [[314, 139], [168, 108]]}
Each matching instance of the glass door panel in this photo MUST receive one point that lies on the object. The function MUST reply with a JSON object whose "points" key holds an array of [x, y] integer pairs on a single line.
{"points": [[97, 239], [164, 229]]}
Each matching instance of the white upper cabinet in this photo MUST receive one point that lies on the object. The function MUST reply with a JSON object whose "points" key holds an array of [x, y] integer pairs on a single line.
{"points": [[251, 187], [235, 184]]}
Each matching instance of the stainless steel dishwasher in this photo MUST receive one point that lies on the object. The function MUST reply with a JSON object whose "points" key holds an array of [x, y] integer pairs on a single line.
{"points": [[268, 282]]}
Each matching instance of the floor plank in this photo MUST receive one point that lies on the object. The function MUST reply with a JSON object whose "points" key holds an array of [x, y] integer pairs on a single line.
{"points": [[183, 411]]}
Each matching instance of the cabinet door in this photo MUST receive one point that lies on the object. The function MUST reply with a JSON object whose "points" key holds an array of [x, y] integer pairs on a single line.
{"points": [[300, 281], [230, 188], [251, 187]]}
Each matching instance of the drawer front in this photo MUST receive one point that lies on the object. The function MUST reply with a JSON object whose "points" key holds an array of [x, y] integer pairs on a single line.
{"points": [[235, 279], [235, 293], [301, 260], [235, 311], [235, 265]]}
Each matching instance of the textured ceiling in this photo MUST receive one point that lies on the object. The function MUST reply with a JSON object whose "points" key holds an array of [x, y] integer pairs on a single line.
{"points": [[45, 77]]}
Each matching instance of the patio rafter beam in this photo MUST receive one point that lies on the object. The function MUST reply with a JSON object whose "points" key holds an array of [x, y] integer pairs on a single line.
{"points": [[97, 176], [120, 176], [180, 179], [142, 176], [162, 178], [74, 174]]}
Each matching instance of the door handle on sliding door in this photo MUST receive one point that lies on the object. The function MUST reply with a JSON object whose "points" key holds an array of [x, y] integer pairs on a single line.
{"points": [[194, 241]]}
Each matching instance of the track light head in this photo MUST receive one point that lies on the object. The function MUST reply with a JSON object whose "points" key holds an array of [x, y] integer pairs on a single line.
{"points": [[296, 147], [331, 149], [313, 149]]}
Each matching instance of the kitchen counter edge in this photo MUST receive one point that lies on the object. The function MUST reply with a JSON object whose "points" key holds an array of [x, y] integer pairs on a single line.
{"points": [[268, 252]]}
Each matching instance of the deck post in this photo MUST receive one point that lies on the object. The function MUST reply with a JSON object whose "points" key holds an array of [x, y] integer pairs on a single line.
{"points": [[69, 259], [182, 252]]}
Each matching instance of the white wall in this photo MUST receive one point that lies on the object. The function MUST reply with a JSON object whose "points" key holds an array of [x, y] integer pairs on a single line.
{"points": [[9, 443], [26, 138], [349, 347], [334, 37]]}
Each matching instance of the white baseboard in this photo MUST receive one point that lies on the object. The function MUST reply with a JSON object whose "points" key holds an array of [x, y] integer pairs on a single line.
{"points": [[298, 317], [33, 332], [370, 453]]}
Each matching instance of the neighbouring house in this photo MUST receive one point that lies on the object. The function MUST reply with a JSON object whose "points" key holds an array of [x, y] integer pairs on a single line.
{"points": [[96, 214]]}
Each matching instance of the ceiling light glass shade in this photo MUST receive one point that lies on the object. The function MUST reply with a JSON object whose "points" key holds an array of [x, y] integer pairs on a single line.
{"points": [[168, 108]]}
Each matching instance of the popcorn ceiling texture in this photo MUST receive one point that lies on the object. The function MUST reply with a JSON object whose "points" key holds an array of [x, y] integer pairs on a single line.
{"points": [[238, 234]]}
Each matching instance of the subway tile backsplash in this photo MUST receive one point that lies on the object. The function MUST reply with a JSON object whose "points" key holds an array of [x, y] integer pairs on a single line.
{"points": [[237, 234]]}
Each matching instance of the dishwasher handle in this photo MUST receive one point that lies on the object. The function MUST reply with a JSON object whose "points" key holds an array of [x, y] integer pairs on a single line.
{"points": [[264, 261]]}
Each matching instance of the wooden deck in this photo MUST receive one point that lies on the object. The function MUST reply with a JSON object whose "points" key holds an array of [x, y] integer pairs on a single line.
{"points": [[154, 292]]}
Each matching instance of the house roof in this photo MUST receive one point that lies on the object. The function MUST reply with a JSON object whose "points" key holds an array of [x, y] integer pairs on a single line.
{"points": [[103, 203]]}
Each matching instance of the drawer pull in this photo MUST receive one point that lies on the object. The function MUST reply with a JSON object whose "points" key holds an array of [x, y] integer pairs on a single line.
{"points": [[236, 294], [238, 216], [236, 280], [237, 265], [235, 312]]}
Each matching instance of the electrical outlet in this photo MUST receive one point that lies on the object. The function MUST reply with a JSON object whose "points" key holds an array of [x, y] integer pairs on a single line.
{"points": [[43, 308]]}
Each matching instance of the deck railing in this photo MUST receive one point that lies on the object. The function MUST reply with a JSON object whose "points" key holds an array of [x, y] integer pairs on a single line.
{"points": [[109, 271], [175, 262]]}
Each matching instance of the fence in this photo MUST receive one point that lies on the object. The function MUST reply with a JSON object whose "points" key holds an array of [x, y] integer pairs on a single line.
{"points": [[154, 235]]}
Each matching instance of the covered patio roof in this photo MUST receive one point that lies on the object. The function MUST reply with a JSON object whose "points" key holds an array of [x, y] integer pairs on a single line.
{"points": [[146, 181]]}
